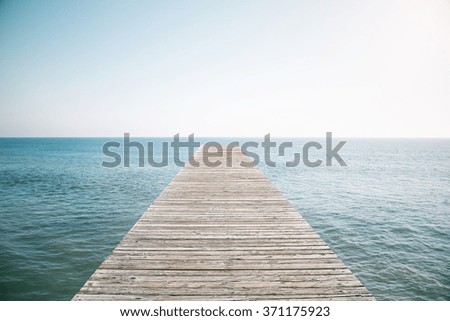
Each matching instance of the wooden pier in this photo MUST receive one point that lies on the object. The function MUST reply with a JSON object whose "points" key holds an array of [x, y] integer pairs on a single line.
{"points": [[223, 233]]}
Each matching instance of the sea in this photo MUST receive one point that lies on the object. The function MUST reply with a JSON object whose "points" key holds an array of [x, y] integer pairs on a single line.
{"points": [[386, 213]]}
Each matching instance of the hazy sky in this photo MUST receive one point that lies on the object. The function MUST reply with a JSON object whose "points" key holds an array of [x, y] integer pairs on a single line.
{"points": [[225, 68]]}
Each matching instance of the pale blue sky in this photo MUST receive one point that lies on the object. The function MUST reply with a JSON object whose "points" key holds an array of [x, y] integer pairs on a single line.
{"points": [[225, 68]]}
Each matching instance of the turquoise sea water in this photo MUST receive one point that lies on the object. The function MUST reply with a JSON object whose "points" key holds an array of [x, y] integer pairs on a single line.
{"points": [[386, 214]]}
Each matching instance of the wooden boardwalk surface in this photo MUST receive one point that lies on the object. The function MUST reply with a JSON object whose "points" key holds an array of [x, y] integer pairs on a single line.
{"points": [[223, 233]]}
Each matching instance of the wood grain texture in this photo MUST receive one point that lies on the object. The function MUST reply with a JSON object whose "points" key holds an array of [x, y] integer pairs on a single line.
{"points": [[223, 233]]}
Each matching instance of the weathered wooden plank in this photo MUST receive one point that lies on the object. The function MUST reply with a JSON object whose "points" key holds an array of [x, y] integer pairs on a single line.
{"points": [[223, 233], [220, 283], [206, 249], [218, 279], [231, 243], [293, 297], [275, 274], [224, 255], [127, 289]]}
